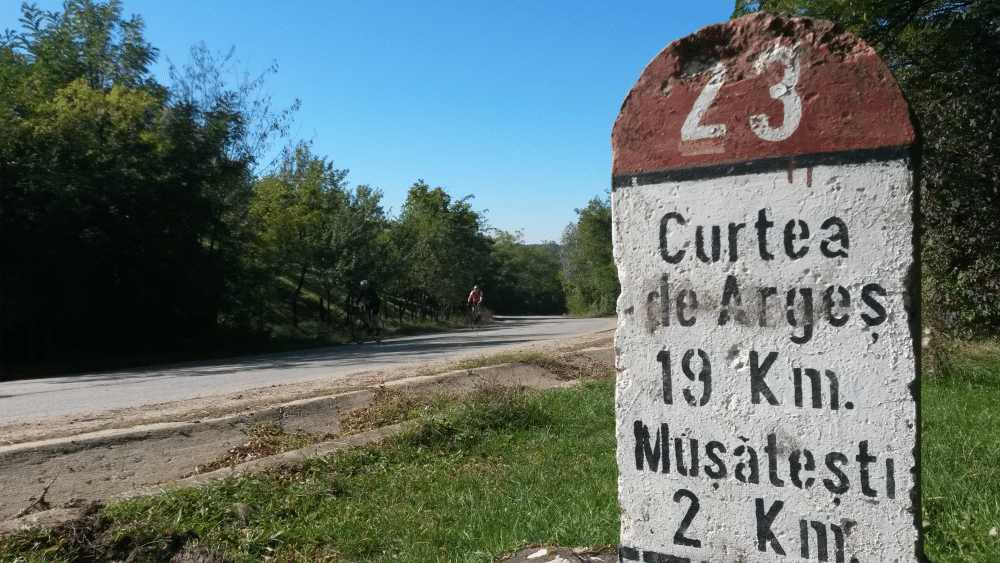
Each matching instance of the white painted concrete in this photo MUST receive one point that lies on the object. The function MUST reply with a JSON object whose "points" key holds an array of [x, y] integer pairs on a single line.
{"points": [[854, 453]]}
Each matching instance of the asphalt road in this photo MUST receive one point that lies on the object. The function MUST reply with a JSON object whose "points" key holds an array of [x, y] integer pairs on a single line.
{"points": [[46, 398]]}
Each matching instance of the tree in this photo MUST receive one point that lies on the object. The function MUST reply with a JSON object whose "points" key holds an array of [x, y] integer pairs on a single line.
{"points": [[294, 214], [78, 108], [87, 40], [95, 201], [354, 247], [120, 215], [443, 247], [946, 56], [524, 279], [590, 277], [243, 111]]}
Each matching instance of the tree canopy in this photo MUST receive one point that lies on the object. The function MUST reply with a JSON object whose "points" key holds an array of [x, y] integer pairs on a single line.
{"points": [[590, 277], [524, 278], [443, 244], [137, 218], [122, 214]]}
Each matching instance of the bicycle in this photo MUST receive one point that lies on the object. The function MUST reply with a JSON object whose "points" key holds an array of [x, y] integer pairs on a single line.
{"points": [[366, 325], [475, 315]]}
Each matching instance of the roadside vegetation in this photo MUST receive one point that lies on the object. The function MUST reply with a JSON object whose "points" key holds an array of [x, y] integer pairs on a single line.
{"points": [[471, 480], [589, 274], [960, 447], [148, 225]]}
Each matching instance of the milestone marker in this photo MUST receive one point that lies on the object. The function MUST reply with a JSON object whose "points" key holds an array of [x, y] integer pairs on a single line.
{"points": [[767, 397]]}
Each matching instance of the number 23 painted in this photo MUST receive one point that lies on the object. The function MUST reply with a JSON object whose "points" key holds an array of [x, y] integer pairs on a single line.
{"points": [[783, 91]]}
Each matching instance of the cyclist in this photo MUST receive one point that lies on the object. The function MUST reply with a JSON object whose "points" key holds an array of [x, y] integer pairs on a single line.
{"points": [[475, 300], [368, 298]]}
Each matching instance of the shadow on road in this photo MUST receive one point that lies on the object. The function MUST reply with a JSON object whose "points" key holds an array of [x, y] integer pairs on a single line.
{"points": [[505, 331]]}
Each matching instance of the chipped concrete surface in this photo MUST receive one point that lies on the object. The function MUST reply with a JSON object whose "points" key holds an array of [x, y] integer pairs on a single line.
{"points": [[763, 212]]}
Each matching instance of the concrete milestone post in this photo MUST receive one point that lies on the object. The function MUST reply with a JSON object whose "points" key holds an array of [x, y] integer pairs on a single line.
{"points": [[767, 397]]}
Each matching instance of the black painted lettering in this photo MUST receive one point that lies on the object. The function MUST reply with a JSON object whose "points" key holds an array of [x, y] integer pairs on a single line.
{"points": [[838, 539], [712, 450], [796, 467], [686, 299], [806, 319], [820, 528], [771, 449], [816, 389], [663, 356], [864, 459], [704, 375], [747, 470], [628, 553], [664, 252], [758, 372], [732, 302], [834, 389], [765, 292], [833, 462], [692, 511], [791, 238], [762, 225], [691, 471], [874, 304], [828, 305], [765, 519], [655, 557], [822, 544], [699, 243], [734, 228], [646, 453], [840, 237]]}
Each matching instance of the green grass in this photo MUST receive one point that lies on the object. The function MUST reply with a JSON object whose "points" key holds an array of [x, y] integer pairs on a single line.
{"points": [[474, 479], [961, 457]]}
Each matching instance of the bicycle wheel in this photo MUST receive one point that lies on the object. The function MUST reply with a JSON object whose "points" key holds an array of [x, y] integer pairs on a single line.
{"points": [[378, 329], [358, 329]]}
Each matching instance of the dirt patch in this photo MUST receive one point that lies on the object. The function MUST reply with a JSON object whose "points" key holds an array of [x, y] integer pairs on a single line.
{"points": [[191, 410], [553, 554], [169, 441]]}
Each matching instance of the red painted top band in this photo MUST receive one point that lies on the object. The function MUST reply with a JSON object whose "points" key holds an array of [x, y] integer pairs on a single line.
{"points": [[763, 85]]}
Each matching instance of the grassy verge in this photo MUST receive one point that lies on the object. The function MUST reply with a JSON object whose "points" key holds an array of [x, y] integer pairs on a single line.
{"points": [[961, 457], [474, 479]]}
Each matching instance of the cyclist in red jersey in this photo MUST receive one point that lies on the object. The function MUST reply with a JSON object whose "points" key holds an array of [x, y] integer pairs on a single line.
{"points": [[475, 296]]}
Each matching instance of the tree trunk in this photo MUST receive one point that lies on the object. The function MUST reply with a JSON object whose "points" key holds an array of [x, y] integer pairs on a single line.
{"points": [[295, 297]]}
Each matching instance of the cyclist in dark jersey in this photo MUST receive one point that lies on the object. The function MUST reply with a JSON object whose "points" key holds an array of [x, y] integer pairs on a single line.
{"points": [[368, 298]]}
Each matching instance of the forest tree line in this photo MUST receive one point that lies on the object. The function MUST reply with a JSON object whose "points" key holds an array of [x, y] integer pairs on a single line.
{"points": [[137, 218]]}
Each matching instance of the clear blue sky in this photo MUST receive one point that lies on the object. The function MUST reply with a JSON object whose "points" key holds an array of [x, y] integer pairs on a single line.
{"points": [[511, 102]]}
